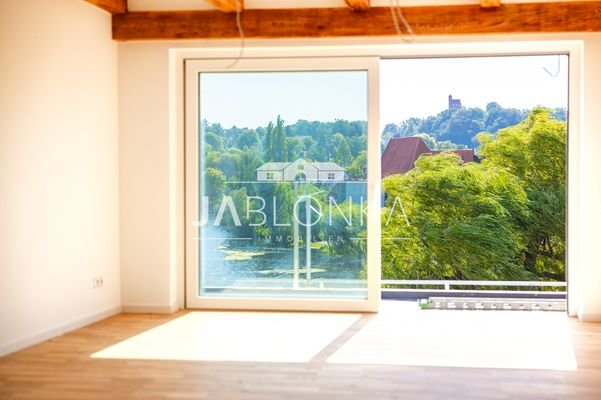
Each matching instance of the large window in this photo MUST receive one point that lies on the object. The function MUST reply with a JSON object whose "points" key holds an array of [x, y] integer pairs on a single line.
{"points": [[311, 179], [280, 192], [474, 166]]}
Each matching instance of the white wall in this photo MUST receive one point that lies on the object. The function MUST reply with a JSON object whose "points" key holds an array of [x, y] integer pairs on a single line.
{"points": [[590, 184], [59, 215], [144, 180], [150, 154]]}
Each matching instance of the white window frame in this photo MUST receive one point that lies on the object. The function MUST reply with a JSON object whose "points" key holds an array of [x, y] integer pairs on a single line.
{"points": [[194, 67], [427, 49]]}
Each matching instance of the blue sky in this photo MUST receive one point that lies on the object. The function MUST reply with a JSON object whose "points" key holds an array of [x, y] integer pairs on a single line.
{"points": [[408, 88], [255, 98], [420, 87]]}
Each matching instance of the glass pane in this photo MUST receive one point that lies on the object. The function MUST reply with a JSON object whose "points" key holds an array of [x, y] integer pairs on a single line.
{"points": [[474, 170], [283, 184]]}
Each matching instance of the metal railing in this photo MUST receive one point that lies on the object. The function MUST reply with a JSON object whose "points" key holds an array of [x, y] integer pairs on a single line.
{"points": [[450, 283], [458, 286], [410, 285]]}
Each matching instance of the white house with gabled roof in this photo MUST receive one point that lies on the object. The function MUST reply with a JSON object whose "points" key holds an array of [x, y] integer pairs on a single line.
{"points": [[300, 170]]}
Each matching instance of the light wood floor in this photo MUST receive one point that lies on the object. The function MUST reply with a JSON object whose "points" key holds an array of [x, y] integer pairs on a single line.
{"points": [[64, 369]]}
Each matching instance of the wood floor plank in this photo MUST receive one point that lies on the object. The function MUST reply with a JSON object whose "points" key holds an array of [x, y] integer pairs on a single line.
{"points": [[63, 368]]}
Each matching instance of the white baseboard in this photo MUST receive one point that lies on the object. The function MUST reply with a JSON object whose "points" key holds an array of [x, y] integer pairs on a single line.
{"points": [[150, 308], [57, 330], [589, 317]]}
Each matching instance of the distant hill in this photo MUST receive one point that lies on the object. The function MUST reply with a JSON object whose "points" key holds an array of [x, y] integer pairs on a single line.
{"points": [[462, 125]]}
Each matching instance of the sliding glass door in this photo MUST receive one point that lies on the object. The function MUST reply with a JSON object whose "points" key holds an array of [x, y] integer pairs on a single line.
{"points": [[282, 184]]}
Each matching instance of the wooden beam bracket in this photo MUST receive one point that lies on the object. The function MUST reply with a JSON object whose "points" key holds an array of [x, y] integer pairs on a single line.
{"points": [[359, 5], [490, 3], [228, 6], [113, 6]]}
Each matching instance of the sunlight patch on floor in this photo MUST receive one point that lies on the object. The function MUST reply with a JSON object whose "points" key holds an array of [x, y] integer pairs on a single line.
{"points": [[402, 334], [235, 336]]}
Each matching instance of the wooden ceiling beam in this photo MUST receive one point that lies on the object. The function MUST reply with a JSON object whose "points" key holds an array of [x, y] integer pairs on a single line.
{"points": [[112, 6], [228, 6], [548, 17], [358, 5]]}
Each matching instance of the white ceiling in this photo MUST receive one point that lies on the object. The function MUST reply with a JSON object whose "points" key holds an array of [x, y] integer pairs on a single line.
{"points": [[156, 5]]}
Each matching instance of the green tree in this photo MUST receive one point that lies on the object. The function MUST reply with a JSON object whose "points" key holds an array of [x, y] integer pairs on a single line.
{"points": [[434, 144], [357, 144], [463, 125], [460, 126], [294, 148], [321, 152], [498, 117], [214, 140], [308, 145], [358, 168], [229, 163], [342, 229], [534, 152], [343, 126], [503, 219], [456, 222], [341, 151], [268, 142], [248, 138], [391, 130], [279, 149], [429, 140], [248, 162], [213, 181], [358, 128]]}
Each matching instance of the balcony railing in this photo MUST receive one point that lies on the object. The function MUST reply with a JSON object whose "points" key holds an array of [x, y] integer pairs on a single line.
{"points": [[415, 288], [400, 288]]}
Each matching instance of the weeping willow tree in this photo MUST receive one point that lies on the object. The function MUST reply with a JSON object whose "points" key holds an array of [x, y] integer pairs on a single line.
{"points": [[534, 152], [502, 219]]}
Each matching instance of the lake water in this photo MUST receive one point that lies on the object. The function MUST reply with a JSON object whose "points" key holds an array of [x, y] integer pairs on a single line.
{"points": [[231, 262]]}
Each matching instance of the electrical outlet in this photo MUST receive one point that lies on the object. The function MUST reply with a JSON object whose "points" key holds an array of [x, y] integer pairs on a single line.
{"points": [[97, 282]]}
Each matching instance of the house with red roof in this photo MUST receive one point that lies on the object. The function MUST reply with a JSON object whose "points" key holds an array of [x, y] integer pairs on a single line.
{"points": [[401, 153]]}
